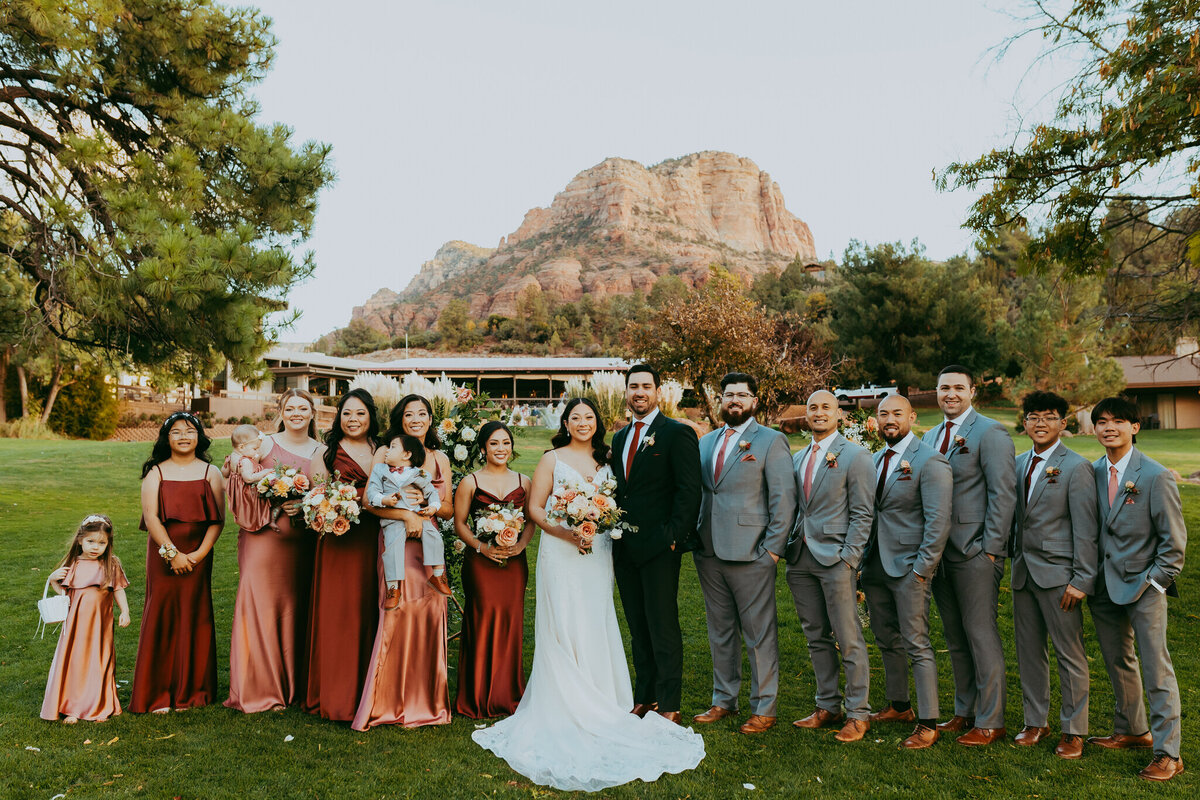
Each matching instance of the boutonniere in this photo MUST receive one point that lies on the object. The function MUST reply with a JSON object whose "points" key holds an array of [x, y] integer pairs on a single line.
{"points": [[648, 441], [743, 445], [905, 468], [831, 460], [1130, 491], [961, 444], [1052, 473]]}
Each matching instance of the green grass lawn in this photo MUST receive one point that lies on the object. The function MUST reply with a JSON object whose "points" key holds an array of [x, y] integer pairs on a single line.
{"points": [[46, 487]]}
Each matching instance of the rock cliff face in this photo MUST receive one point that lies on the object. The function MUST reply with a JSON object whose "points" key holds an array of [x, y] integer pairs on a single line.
{"points": [[614, 229]]}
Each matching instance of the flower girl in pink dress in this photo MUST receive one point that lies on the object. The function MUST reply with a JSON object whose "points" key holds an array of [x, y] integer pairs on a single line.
{"points": [[81, 683]]}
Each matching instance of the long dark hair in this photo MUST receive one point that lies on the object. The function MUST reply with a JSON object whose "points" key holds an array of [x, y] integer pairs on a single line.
{"points": [[335, 435], [303, 395], [396, 422], [563, 438], [485, 432], [162, 445]]}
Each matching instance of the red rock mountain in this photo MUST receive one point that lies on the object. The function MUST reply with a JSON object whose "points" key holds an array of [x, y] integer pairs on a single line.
{"points": [[614, 229]]}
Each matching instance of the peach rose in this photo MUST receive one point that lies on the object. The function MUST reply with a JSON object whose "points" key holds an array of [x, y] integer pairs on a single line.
{"points": [[602, 502], [340, 526], [301, 483], [587, 530], [507, 537]]}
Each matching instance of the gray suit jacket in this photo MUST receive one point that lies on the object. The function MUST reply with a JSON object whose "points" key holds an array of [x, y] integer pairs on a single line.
{"points": [[1142, 536], [1055, 534], [912, 516], [751, 506], [835, 522], [984, 486]]}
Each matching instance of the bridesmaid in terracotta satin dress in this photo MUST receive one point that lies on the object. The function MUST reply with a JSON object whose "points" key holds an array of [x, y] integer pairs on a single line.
{"points": [[407, 680], [267, 652], [183, 504], [491, 676], [347, 582], [82, 682]]}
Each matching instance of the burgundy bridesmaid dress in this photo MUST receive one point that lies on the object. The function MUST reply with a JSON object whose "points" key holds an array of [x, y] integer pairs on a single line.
{"points": [[82, 680], [407, 681], [344, 610], [267, 653], [176, 663], [491, 678]]}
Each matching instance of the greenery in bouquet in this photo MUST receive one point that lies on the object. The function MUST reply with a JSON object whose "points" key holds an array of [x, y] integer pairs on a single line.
{"points": [[458, 429], [861, 427]]}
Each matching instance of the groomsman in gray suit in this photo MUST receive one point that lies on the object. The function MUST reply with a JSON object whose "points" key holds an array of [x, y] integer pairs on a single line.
{"points": [[967, 587], [835, 483], [1053, 569], [747, 507], [1142, 542], [913, 487]]}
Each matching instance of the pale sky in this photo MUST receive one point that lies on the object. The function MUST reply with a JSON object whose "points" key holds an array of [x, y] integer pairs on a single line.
{"points": [[450, 119]]}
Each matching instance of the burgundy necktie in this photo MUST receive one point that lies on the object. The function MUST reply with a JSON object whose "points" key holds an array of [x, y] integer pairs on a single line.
{"points": [[633, 446], [808, 470], [721, 455], [946, 439], [887, 459], [1112, 485], [1033, 462]]}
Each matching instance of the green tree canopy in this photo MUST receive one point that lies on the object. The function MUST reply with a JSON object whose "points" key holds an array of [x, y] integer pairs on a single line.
{"points": [[148, 209], [1121, 152], [898, 316]]}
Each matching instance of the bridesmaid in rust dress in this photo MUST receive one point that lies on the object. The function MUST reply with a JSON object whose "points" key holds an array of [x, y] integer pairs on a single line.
{"points": [[491, 677], [407, 678], [267, 653], [183, 503], [347, 582]]}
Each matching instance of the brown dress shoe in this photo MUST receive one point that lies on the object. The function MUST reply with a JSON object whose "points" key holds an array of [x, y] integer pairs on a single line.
{"points": [[922, 736], [671, 716], [890, 714], [1029, 736], [714, 714], [1123, 741], [439, 584], [1162, 768], [853, 730], [757, 724], [956, 724], [391, 599], [1069, 746], [978, 737], [642, 709], [820, 719]]}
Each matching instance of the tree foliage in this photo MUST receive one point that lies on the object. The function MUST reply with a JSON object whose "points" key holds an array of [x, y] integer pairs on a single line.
{"points": [[1121, 157], [896, 316], [148, 210], [718, 329]]}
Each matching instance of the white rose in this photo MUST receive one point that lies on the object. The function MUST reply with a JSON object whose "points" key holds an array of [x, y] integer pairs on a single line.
{"points": [[460, 453], [330, 516], [467, 434], [352, 508], [615, 533]]}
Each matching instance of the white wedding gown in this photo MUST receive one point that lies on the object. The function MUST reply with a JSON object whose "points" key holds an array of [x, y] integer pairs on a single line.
{"points": [[572, 729]]}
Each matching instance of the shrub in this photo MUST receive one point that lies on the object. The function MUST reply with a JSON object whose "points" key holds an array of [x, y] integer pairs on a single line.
{"points": [[86, 408], [26, 428]]}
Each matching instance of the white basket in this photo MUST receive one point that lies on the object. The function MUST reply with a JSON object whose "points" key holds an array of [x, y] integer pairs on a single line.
{"points": [[52, 609]]}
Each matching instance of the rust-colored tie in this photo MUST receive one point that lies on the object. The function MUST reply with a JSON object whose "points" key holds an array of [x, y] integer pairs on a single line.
{"points": [[633, 446], [946, 439], [721, 455]]}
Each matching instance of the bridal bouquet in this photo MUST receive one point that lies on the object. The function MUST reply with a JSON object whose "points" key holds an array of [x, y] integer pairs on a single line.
{"points": [[283, 484], [331, 506], [589, 508], [500, 524]]}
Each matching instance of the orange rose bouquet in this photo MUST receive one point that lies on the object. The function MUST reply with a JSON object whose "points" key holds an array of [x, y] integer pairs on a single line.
{"points": [[500, 524], [331, 506], [590, 508]]}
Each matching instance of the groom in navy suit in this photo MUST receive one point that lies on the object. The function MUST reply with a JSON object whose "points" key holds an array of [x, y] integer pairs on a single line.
{"points": [[656, 462]]}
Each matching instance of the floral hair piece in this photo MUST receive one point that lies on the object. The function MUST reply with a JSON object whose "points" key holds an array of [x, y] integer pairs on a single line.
{"points": [[89, 519]]}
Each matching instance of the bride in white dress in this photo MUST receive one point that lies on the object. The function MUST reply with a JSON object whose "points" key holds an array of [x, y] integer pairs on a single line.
{"points": [[572, 729]]}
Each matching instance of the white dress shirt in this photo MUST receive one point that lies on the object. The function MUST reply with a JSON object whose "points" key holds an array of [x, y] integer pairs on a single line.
{"points": [[899, 447], [1121, 466], [817, 450], [649, 418], [1041, 470], [958, 423], [729, 442]]}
